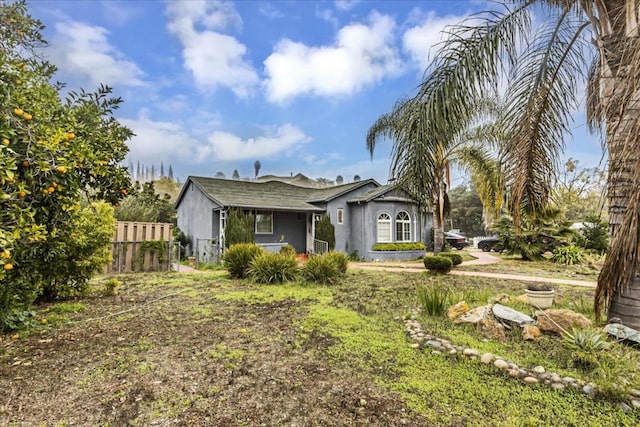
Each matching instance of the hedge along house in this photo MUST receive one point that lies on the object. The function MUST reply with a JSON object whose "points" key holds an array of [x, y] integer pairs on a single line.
{"points": [[363, 213]]}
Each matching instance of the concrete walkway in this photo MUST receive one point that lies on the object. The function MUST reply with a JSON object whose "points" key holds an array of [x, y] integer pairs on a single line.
{"points": [[184, 268]]}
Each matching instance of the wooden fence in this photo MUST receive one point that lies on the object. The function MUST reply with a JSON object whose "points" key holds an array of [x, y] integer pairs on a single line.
{"points": [[141, 246]]}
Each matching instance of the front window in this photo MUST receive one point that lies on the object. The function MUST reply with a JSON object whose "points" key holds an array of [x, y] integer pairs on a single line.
{"points": [[403, 227], [264, 222], [384, 228], [340, 216]]}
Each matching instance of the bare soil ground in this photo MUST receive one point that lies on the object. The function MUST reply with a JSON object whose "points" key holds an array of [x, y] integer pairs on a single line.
{"points": [[189, 359]]}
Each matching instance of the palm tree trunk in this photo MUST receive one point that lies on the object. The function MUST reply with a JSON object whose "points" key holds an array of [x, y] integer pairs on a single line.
{"points": [[438, 219], [621, 100]]}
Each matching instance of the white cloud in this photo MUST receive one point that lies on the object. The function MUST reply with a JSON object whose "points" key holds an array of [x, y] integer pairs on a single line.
{"points": [[84, 51], [345, 5], [227, 146], [363, 54], [157, 141], [214, 59], [270, 12], [419, 40]]}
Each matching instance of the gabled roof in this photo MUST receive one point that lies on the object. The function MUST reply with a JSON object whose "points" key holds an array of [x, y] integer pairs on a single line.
{"points": [[379, 193], [271, 195]]}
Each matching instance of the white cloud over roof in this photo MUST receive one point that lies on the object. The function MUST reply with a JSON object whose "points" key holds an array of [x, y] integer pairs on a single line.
{"points": [[363, 54], [214, 59]]}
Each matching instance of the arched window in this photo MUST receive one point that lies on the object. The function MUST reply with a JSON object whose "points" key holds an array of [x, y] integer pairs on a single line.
{"points": [[403, 227], [384, 228]]}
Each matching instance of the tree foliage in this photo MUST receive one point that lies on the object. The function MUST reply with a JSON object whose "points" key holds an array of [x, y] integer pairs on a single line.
{"points": [[240, 228], [145, 205], [466, 210], [53, 154], [326, 231]]}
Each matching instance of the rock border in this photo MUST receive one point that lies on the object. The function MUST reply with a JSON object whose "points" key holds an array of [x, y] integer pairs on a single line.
{"points": [[536, 375]]}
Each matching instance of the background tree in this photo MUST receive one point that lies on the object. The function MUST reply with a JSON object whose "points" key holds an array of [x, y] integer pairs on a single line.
{"points": [[466, 211], [580, 192], [256, 168], [170, 174], [356, 178], [145, 205], [339, 180], [236, 174], [220, 175], [53, 155]]}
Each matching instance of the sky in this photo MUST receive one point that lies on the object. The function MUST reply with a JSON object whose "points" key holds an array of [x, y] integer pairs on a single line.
{"points": [[213, 86]]}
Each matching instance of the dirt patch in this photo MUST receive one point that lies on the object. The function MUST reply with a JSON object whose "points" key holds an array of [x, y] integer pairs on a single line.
{"points": [[190, 360]]}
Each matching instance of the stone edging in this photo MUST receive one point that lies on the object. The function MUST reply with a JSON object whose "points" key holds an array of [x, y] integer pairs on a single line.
{"points": [[538, 374]]}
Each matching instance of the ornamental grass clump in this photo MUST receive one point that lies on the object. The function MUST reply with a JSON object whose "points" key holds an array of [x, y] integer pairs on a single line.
{"points": [[273, 268], [434, 298], [439, 264], [569, 255], [238, 258], [340, 259]]}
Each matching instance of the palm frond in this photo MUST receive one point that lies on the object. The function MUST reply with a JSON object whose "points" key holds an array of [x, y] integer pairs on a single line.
{"points": [[540, 100]]}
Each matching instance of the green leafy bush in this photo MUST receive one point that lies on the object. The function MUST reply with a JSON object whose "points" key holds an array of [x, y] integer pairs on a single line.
{"points": [[456, 259], [340, 259], [594, 235], [239, 229], [434, 298], [569, 255], [321, 269], [238, 257], [326, 231], [438, 264], [273, 268], [288, 250], [398, 246]]}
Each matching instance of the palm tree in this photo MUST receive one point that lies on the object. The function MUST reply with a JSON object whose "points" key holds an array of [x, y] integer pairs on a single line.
{"points": [[422, 156], [543, 68]]}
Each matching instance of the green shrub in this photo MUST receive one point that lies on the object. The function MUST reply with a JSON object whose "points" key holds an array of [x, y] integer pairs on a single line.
{"points": [[569, 255], [326, 231], [321, 269], [288, 250], [456, 259], [240, 228], [434, 298], [438, 264], [340, 259], [402, 246], [273, 268], [238, 257]]}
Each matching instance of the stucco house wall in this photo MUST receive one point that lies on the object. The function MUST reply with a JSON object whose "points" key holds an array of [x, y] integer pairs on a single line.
{"points": [[289, 227], [195, 214]]}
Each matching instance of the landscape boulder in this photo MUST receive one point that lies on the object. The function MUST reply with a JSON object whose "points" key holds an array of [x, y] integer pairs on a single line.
{"points": [[623, 333], [492, 329], [557, 320], [457, 310], [511, 316], [476, 315], [530, 332]]}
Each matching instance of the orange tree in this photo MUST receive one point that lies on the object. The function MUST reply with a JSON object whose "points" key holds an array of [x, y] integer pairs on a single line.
{"points": [[54, 155]]}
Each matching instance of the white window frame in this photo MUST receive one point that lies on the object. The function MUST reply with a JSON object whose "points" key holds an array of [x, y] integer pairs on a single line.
{"points": [[404, 234], [264, 213], [340, 216], [387, 223]]}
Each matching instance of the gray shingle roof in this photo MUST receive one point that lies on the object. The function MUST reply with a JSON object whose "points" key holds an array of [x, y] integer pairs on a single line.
{"points": [[377, 192], [271, 195]]}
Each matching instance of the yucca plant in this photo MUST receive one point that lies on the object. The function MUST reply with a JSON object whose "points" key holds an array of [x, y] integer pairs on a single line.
{"points": [[273, 268], [340, 259], [238, 257], [321, 269], [569, 255]]}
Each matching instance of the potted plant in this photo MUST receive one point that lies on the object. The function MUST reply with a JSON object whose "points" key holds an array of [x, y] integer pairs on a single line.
{"points": [[539, 295]]}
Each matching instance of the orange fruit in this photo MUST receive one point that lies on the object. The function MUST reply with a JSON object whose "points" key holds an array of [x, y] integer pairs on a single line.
{"points": [[27, 116], [54, 185], [5, 141], [70, 135], [50, 190], [21, 194], [5, 254], [8, 266], [43, 321], [18, 111], [15, 336], [123, 191], [25, 164], [61, 169]]}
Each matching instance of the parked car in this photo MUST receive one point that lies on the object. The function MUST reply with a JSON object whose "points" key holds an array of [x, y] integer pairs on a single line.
{"points": [[456, 240], [488, 244]]}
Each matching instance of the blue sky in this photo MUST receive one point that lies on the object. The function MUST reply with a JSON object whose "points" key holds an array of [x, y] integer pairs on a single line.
{"points": [[214, 86]]}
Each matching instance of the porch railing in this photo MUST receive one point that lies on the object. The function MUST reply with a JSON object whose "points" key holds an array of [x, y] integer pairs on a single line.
{"points": [[320, 246]]}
